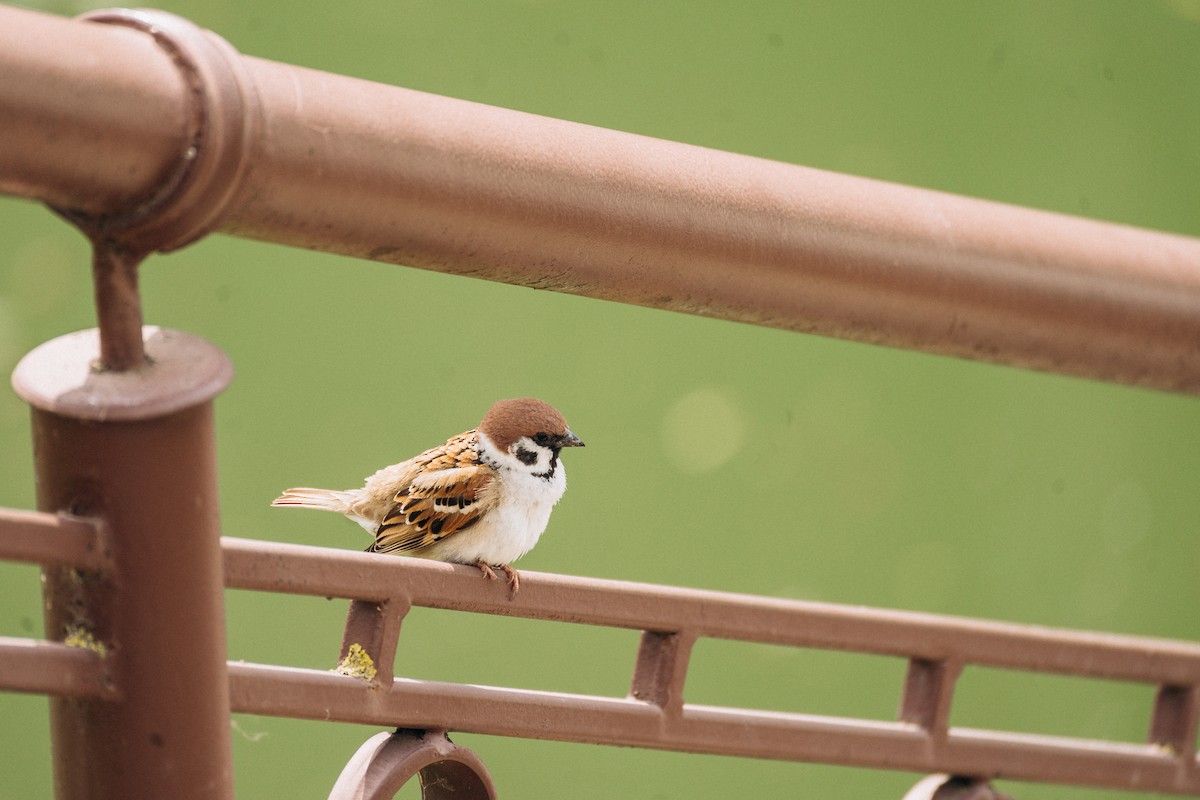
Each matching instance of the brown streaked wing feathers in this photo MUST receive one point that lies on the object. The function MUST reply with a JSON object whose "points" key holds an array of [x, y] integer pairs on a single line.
{"points": [[448, 494]]}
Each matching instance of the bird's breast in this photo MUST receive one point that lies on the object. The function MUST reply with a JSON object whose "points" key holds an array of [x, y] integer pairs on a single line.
{"points": [[511, 526]]}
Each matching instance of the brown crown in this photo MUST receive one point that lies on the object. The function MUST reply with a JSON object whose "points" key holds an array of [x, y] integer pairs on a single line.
{"points": [[509, 420]]}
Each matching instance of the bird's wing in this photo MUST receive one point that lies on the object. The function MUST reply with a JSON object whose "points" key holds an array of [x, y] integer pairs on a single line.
{"points": [[449, 492]]}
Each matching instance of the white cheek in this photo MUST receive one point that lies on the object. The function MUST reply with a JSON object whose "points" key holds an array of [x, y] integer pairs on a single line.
{"points": [[543, 462], [525, 446]]}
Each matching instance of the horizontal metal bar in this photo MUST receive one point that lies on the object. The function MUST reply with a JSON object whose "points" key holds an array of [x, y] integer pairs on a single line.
{"points": [[963, 751], [1083, 762], [316, 694], [389, 174], [41, 667], [272, 566], [311, 694], [35, 537]]}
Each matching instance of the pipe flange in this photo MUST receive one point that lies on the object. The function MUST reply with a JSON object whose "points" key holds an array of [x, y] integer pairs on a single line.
{"points": [[222, 118]]}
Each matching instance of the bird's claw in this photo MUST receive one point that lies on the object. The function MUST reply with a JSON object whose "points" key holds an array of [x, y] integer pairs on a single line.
{"points": [[514, 580], [513, 577]]}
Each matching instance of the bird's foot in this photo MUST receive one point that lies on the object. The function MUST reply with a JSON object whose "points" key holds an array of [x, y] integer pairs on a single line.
{"points": [[514, 579]]}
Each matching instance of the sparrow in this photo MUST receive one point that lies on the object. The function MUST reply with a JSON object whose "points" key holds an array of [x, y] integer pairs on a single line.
{"points": [[482, 499]]}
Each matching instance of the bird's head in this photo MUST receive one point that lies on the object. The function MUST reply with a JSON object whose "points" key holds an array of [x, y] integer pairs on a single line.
{"points": [[530, 431]]}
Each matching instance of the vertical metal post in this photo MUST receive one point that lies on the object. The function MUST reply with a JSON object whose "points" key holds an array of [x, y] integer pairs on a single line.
{"points": [[135, 450], [928, 692], [1175, 720], [375, 627], [661, 669]]}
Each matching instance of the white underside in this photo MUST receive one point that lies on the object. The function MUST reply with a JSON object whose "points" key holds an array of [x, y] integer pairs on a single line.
{"points": [[509, 529]]}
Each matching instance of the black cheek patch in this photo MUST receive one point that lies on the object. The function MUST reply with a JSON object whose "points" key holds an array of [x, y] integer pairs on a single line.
{"points": [[526, 457]]}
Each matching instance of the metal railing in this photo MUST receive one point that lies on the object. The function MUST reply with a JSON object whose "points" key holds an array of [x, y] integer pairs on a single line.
{"points": [[655, 713], [163, 134]]}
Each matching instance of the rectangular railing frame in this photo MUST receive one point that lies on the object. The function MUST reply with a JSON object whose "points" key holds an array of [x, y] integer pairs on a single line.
{"points": [[655, 713]]}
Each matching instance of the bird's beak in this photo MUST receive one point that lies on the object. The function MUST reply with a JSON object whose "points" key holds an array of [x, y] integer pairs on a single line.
{"points": [[571, 440]]}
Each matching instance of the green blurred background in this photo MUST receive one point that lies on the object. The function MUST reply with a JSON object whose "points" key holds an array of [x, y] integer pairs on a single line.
{"points": [[719, 455]]}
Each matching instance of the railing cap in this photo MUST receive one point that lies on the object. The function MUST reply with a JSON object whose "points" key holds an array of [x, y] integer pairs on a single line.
{"points": [[181, 371]]}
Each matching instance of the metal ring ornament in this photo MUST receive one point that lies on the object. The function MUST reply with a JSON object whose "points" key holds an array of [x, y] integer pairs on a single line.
{"points": [[386, 761]]}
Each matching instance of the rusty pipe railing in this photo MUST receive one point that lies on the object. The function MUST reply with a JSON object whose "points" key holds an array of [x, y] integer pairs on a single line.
{"points": [[655, 713], [333, 163]]}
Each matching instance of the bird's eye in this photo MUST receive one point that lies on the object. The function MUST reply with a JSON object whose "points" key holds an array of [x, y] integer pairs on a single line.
{"points": [[542, 438]]}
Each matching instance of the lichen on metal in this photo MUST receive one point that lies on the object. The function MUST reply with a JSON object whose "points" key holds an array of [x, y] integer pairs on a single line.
{"points": [[357, 664], [83, 638]]}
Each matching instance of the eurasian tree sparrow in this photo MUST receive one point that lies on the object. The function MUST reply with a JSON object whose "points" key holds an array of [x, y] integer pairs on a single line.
{"points": [[483, 498]]}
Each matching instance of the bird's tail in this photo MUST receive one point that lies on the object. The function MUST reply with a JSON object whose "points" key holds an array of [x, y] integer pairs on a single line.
{"points": [[321, 499]]}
